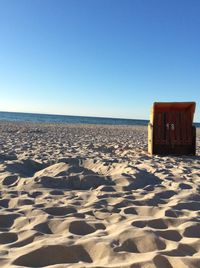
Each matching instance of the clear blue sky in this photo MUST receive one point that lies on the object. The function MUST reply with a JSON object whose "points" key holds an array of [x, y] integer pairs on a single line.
{"points": [[109, 58]]}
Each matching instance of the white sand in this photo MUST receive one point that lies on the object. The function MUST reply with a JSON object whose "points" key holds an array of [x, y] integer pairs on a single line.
{"points": [[91, 196]]}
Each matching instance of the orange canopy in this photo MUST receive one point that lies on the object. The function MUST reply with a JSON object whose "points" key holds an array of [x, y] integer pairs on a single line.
{"points": [[173, 106]]}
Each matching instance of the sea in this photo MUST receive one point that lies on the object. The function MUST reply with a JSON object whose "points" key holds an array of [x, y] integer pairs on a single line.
{"points": [[70, 119]]}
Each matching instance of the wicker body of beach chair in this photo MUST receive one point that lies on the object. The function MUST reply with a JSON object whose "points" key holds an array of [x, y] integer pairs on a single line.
{"points": [[171, 130]]}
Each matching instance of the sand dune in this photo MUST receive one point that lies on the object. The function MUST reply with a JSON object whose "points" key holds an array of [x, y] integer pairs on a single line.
{"points": [[91, 196]]}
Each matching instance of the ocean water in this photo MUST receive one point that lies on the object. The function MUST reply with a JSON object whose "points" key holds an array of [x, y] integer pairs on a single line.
{"points": [[69, 119]]}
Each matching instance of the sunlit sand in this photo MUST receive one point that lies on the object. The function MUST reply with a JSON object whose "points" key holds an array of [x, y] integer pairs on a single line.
{"points": [[91, 196]]}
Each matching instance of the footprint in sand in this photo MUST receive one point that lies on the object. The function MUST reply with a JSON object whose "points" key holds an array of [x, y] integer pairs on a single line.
{"points": [[6, 238], [60, 211], [7, 220], [53, 254], [83, 228]]}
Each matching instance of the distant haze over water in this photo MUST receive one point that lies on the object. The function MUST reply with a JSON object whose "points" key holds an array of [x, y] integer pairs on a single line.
{"points": [[69, 119]]}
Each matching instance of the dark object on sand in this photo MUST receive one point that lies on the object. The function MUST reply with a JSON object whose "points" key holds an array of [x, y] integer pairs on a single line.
{"points": [[171, 129]]}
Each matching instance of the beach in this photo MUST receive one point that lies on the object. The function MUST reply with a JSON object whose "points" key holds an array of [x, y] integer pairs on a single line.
{"points": [[91, 196]]}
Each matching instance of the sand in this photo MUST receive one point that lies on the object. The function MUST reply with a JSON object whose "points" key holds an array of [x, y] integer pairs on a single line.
{"points": [[91, 196]]}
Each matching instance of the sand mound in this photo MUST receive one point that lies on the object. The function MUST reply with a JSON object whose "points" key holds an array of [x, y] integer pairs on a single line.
{"points": [[65, 176], [24, 168]]}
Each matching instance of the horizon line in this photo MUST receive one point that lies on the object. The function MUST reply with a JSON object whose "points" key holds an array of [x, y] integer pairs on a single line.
{"points": [[89, 116]]}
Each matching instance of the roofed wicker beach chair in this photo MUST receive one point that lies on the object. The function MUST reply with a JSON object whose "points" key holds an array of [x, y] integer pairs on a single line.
{"points": [[171, 129]]}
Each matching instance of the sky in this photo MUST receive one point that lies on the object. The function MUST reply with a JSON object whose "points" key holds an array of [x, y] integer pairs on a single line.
{"points": [[109, 58]]}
